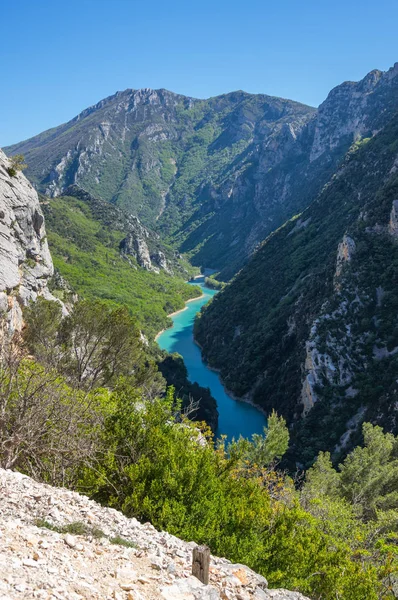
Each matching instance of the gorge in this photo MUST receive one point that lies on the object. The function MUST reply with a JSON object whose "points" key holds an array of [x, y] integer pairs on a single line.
{"points": [[236, 418], [259, 187], [297, 209]]}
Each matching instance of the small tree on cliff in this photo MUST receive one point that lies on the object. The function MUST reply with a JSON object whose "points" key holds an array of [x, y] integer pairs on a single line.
{"points": [[17, 164]]}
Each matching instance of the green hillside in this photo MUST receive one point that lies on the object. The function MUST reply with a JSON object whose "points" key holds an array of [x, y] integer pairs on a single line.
{"points": [[309, 327], [86, 253]]}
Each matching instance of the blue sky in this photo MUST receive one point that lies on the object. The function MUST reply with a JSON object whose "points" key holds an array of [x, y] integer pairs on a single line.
{"points": [[59, 56]]}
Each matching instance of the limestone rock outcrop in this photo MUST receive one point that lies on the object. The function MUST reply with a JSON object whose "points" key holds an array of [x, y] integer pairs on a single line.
{"points": [[137, 247], [353, 110], [393, 223], [25, 260], [345, 252], [136, 244]]}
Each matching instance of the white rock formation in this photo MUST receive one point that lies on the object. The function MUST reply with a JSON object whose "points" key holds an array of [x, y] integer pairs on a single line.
{"points": [[25, 260], [345, 252], [393, 223]]}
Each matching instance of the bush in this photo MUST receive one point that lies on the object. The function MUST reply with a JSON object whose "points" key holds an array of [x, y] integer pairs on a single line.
{"points": [[47, 429], [17, 164], [92, 347], [161, 469]]}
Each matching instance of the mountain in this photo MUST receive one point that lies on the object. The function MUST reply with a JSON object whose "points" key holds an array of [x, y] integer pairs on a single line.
{"points": [[309, 327], [173, 161], [214, 176]]}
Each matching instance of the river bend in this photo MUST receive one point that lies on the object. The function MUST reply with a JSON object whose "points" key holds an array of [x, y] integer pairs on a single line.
{"points": [[235, 417]]}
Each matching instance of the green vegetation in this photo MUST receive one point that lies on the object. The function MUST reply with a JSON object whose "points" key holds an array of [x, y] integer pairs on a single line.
{"points": [[213, 284], [86, 253], [120, 541], [136, 451], [255, 330], [174, 161], [74, 528], [17, 164], [80, 528]]}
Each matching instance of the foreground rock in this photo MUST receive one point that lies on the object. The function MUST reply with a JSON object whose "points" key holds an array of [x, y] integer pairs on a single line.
{"points": [[93, 552]]}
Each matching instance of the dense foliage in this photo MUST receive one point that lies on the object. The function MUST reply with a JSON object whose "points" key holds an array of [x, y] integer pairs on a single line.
{"points": [[131, 449], [255, 330], [212, 283], [85, 249]]}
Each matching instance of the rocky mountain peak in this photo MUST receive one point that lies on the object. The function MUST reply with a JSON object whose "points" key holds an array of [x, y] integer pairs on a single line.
{"points": [[130, 98], [353, 110], [392, 72]]}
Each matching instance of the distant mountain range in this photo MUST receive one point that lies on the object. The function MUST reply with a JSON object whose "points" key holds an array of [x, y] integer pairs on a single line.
{"points": [[213, 176]]}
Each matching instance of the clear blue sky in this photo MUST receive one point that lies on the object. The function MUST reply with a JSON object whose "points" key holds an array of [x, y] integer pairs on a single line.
{"points": [[60, 56]]}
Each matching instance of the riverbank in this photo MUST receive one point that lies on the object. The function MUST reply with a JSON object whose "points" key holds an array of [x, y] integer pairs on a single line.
{"points": [[176, 312], [235, 417]]}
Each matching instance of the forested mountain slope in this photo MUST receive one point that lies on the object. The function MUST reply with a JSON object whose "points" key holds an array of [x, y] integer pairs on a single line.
{"points": [[309, 327], [102, 253], [216, 176], [170, 159]]}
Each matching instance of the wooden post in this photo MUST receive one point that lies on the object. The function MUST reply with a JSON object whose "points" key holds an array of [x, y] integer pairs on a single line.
{"points": [[201, 563]]}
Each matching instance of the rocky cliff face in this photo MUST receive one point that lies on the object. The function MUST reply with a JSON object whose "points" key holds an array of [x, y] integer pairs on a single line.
{"points": [[217, 175], [355, 110], [117, 558], [25, 261]]}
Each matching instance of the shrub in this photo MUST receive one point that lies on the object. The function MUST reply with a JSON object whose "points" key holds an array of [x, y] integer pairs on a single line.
{"points": [[17, 163], [47, 429]]}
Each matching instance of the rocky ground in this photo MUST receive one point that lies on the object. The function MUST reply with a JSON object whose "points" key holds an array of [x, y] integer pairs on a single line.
{"points": [[57, 544]]}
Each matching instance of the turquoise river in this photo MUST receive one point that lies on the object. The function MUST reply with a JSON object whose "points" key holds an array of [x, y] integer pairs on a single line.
{"points": [[235, 417]]}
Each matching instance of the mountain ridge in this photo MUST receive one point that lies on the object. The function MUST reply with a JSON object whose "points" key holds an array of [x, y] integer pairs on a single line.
{"points": [[213, 176], [220, 130]]}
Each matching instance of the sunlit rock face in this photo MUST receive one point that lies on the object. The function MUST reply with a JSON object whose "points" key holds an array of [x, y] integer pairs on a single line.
{"points": [[25, 260]]}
